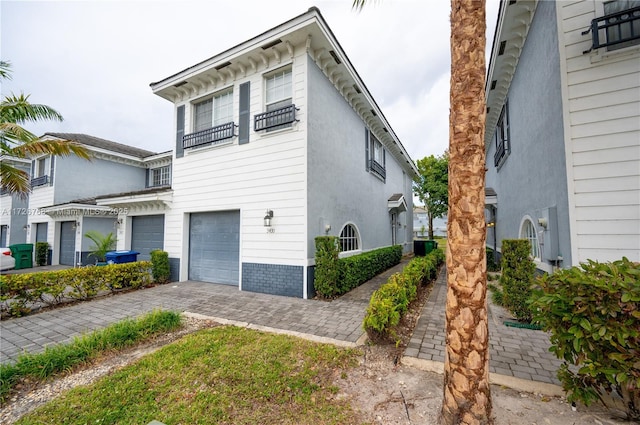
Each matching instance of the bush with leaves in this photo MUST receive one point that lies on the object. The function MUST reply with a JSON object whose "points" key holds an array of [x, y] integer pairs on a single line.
{"points": [[42, 253], [160, 262], [517, 277], [357, 269], [327, 269], [593, 314]]}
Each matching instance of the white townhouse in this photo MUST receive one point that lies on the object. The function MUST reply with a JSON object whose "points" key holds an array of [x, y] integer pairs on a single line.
{"points": [[563, 130], [111, 193], [278, 141]]}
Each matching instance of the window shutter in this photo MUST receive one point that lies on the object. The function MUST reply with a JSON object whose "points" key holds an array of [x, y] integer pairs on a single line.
{"points": [[244, 118], [179, 131], [366, 148], [52, 161], [33, 169], [146, 178]]}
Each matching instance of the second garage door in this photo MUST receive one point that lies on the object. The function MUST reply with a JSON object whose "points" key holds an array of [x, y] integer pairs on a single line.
{"points": [[214, 247], [147, 234], [68, 243]]}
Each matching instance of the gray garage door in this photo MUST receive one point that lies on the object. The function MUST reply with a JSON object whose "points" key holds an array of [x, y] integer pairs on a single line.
{"points": [[67, 243], [147, 234], [214, 247]]}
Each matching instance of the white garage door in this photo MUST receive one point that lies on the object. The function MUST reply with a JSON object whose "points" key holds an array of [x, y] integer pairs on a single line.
{"points": [[214, 247]]}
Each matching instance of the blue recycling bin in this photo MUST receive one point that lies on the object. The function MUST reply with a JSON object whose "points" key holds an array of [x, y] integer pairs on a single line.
{"points": [[120, 257]]}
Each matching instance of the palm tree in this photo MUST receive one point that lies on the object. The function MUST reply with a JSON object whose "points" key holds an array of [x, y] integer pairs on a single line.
{"points": [[17, 142], [467, 396]]}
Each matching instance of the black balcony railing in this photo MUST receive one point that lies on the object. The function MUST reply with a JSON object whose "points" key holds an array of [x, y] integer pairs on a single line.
{"points": [[275, 118], [40, 181], [615, 29], [377, 168], [210, 135]]}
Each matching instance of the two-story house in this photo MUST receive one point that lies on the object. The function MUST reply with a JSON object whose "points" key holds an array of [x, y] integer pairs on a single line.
{"points": [[110, 194], [563, 130], [278, 141], [13, 208]]}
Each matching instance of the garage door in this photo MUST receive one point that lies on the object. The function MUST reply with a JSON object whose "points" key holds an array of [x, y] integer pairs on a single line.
{"points": [[214, 247], [67, 243], [147, 234]]}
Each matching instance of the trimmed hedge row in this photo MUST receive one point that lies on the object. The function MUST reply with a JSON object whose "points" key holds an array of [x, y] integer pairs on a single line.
{"points": [[336, 276], [20, 293], [593, 314], [391, 300]]}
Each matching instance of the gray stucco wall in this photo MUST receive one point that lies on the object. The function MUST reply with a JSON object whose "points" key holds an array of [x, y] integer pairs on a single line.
{"points": [[533, 177], [19, 217], [76, 178], [341, 190], [102, 225]]}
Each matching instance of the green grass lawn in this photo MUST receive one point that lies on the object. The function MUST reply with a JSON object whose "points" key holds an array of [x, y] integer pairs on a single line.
{"points": [[223, 375]]}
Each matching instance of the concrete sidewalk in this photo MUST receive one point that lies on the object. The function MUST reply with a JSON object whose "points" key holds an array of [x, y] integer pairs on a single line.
{"points": [[519, 357]]}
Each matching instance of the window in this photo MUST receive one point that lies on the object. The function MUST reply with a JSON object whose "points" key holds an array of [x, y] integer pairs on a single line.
{"points": [[214, 111], [349, 238], [377, 157], [502, 137], [528, 232], [618, 28], [40, 174], [280, 110], [160, 176]]}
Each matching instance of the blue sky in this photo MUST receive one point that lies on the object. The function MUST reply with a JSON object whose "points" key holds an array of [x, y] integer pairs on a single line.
{"points": [[93, 61]]}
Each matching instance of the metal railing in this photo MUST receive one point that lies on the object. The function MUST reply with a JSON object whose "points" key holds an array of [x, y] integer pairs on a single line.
{"points": [[40, 181], [210, 135], [618, 28], [378, 169], [501, 151], [275, 118]]}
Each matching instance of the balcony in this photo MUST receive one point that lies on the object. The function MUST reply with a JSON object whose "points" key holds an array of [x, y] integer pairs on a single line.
{"points": [[40, 181], [377, 168], [501, 153], [613, 30], [212, 135], [276, 118]]}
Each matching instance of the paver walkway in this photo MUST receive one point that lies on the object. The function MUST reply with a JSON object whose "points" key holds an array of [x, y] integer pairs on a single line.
{"points": [[519, 353]]}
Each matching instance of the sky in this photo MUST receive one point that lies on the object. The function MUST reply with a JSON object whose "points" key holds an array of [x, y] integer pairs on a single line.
{"points": [[93, 61]]}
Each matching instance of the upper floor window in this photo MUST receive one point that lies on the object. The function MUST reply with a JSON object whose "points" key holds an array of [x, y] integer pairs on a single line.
{"points": [[618, 28], [160, 176], [377, 157], [528, 232], [349, 238], [502, 137], [40, 173], [214, 111], [280, 110]]}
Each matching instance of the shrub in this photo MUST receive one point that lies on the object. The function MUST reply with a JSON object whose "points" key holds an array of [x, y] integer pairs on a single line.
{"points": [[517, 277], [492, 266], [19, 293], [327, 270], [160, 264], [391, 300], [42, 253], [357, 269], [593, 316]]}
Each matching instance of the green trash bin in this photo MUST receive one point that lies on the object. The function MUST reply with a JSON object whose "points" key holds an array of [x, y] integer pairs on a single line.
{"points": [[23, 253], [430, 245]]}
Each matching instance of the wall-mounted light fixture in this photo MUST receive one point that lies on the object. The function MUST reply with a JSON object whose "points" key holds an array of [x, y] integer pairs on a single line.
{"points": [[543, 222], [25, 227], [75, 224], [118, 223], [327, 229], [267, 218]]}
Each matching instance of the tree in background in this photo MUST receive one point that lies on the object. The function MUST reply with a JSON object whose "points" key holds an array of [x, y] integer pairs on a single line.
{"points": [[467, 395], [17, 142], [431, 186]]}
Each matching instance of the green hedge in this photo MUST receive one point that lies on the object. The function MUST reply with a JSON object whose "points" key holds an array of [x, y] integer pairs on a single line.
{"points": [[160, 264], [42, 253], [516, 280], [336, 276], [391, 300], [19, 293], [593, 314]]}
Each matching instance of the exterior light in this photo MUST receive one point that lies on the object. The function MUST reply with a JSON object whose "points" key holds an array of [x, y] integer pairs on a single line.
{"points": [[267, 218]]}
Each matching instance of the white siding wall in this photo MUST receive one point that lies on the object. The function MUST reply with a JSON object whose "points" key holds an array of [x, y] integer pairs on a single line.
{"points": [[40, 197], [602, 125], [266, 173]]}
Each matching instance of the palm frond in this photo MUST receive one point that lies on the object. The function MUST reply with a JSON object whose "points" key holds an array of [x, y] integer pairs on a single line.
{"points": [[51, 147], [18, 109], [5, 69], [14, 180], [14, 134]]}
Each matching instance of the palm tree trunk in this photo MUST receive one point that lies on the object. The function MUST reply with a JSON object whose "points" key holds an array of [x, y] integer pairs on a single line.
{"points": [[467, 397]]}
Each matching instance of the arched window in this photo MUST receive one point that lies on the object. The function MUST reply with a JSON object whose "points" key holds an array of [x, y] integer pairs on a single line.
{"points": [[528, 231], [349, 238]]}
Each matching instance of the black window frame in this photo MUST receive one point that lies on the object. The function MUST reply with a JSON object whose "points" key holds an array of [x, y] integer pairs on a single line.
{"points": [[610, 24], [502, 137]]}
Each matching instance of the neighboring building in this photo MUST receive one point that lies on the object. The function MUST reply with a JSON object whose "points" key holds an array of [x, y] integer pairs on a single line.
{"points": [[421, 223], [13, 209], [563, 130], [69, 198], [279, 141]]}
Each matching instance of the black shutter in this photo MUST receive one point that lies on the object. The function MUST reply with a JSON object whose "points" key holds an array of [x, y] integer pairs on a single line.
{"points": [[244, 118], [366, 148], [179, 131], [33, 170], [146, 177], [53, 161]]}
